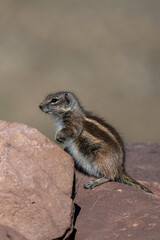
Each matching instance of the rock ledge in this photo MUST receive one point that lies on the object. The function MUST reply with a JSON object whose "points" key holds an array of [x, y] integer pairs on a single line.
{"points": [[36, 180]]}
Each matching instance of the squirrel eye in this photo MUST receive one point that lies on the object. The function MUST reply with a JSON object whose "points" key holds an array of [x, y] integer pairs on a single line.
{"points": [[54, 100]]}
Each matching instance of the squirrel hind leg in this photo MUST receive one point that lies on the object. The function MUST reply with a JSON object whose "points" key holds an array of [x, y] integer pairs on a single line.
{"points": [[94, 183]]}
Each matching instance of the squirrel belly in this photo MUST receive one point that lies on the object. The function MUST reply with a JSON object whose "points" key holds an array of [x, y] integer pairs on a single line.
{"points": [[82, 162], [82, 159]]}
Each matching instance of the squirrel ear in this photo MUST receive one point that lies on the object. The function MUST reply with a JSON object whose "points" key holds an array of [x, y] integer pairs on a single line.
{"points": [[67, 97]]}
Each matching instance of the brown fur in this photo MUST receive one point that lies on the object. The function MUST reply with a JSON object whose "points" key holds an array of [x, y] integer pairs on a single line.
{"points": [[96, 147]]}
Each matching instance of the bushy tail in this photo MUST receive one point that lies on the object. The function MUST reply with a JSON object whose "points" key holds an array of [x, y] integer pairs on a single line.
{"points": [[125, 178]]}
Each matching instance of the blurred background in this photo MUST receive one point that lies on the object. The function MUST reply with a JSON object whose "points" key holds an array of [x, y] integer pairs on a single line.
{"points": [[106, 51]]}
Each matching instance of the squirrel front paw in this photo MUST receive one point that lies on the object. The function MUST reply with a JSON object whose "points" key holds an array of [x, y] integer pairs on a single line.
{"points": [[60, 138]]}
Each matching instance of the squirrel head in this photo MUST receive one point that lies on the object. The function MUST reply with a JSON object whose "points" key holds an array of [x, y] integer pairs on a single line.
{"points": [[59, 103]]}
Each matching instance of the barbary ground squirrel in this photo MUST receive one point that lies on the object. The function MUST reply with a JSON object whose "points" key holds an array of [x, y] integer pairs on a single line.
{"points": [[96, 147]]}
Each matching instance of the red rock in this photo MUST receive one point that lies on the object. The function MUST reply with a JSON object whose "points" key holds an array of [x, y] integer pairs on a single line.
{"points": [[117, 211], [7, 233], [36, 180]]}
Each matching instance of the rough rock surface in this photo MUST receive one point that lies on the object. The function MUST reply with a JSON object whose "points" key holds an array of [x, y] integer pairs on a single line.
{"points": [[7, 233], [36, 179], [118, 211]]}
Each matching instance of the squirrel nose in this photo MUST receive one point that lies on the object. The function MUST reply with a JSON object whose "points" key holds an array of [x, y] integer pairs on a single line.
{"points": [[40, 106]]}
